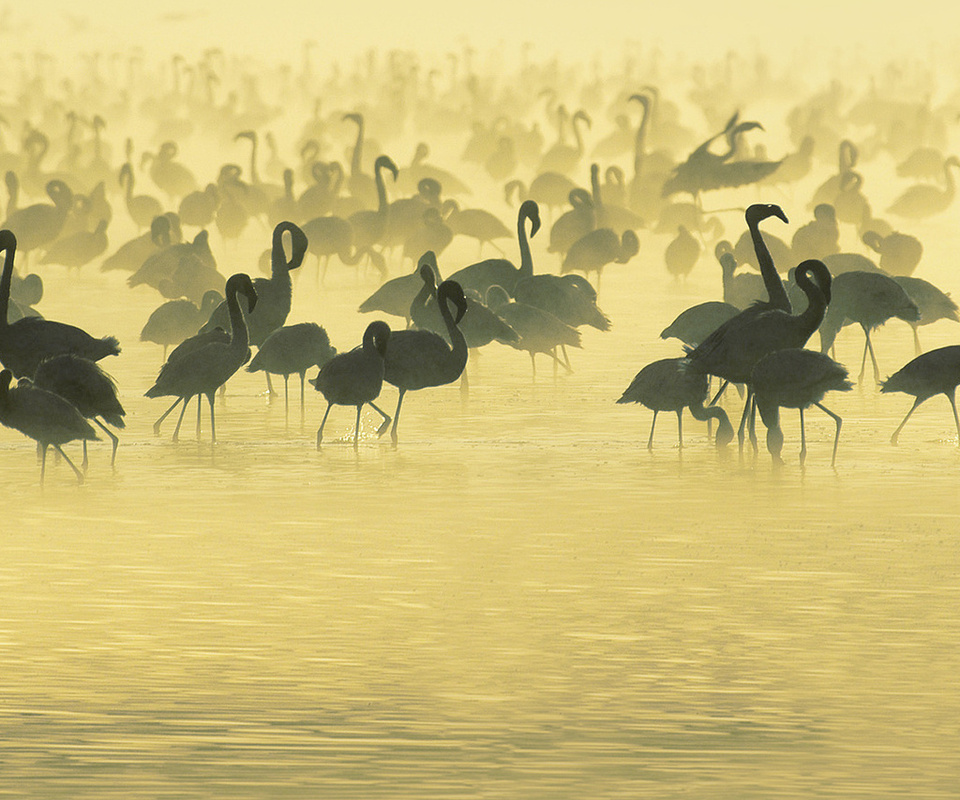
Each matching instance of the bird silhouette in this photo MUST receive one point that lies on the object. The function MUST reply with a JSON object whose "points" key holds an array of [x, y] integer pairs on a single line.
{"points": [[481, 276], [40, 224], [696, 323], [293, 349], [355, 378], [79, 248], [868, 299], [206, 368], [818, 238], [924, 199], [417, 359], [932, 303], [130, 256], [666, 385], [45, 417], [177, 320], [142, 208], [88, 388], [274, 294], [934, 372], [28, 341], [682, 253], [598, 248], [539, 331], [733, 349], [796, 378], [900, 253]]}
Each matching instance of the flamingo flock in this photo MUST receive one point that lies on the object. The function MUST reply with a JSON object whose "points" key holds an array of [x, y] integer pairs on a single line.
{"points": [[675, 185]]}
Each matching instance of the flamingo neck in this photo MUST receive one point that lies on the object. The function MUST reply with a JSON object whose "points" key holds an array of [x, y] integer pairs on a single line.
{"points": [[771, 278]]}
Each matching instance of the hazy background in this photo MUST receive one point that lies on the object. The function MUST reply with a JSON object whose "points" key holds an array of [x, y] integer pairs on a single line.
{"points": [[701, 30]]}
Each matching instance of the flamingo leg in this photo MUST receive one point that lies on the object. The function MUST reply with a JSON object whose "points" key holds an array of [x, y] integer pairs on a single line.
{"points": [[719, 394], [863, 361], [396, 417], [199, 409], [953, 404], [680, 428], [652, 426], [270, 392], [836, 438], [356, 428], [43, 460], [73, 466], [896, 433], [803, 440], [286, 400], [85, 462], [916, 340], [302, 379], [163, 416], [113, 439], [176, 431], [873, 358], [322, 423], [213, 422], [386, 419]]}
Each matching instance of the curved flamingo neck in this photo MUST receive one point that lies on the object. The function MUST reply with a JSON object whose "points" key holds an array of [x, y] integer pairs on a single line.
{"points": [[458, 351], [526, 258], [771, 278], [6, 278]]}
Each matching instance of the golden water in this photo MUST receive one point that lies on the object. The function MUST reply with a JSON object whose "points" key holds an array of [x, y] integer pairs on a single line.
{"points": [[518, 601]]}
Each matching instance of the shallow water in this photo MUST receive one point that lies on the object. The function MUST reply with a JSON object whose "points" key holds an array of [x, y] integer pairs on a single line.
{"points": [[519, 600]]}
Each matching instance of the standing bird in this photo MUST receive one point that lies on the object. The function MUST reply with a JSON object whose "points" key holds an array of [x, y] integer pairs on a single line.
{"points": [[293, 349], [88, 388], [177, 320], [696, 323], [44, 416], [932, 303], [28, 341], [142, 208], [539, 330], [274, 294], [733, 349], [682, 253], [481, 276], [666, 386], [355, 378], [598, 248], [417, 359], [796, 378], [207, 368], [869, 299], [934, 372], [924, 199]]}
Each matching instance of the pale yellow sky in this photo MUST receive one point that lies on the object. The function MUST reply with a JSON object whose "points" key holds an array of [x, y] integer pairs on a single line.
{"points": [[573, 29]]}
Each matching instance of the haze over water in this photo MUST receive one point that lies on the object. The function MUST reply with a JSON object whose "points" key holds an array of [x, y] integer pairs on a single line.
{"points": [[519, 600]]}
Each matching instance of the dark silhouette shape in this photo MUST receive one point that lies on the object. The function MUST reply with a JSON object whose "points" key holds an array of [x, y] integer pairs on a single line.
{"points": [[28, 341], [177, 320], [900, 253], [293, 349], [481, 276], [395, 296], [274, 294], [539, 330], [818, 238], [355, 378], [924, 199], [696, 323], [796, 378], [733, 349], [599, 248], [666, 385], [868, 299], [88, 388], [205, 369], [417, 359], [44, 416], [142, 208], [40, 224], [78, 248], [934, 372], [932, 303], [682, 253]]}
